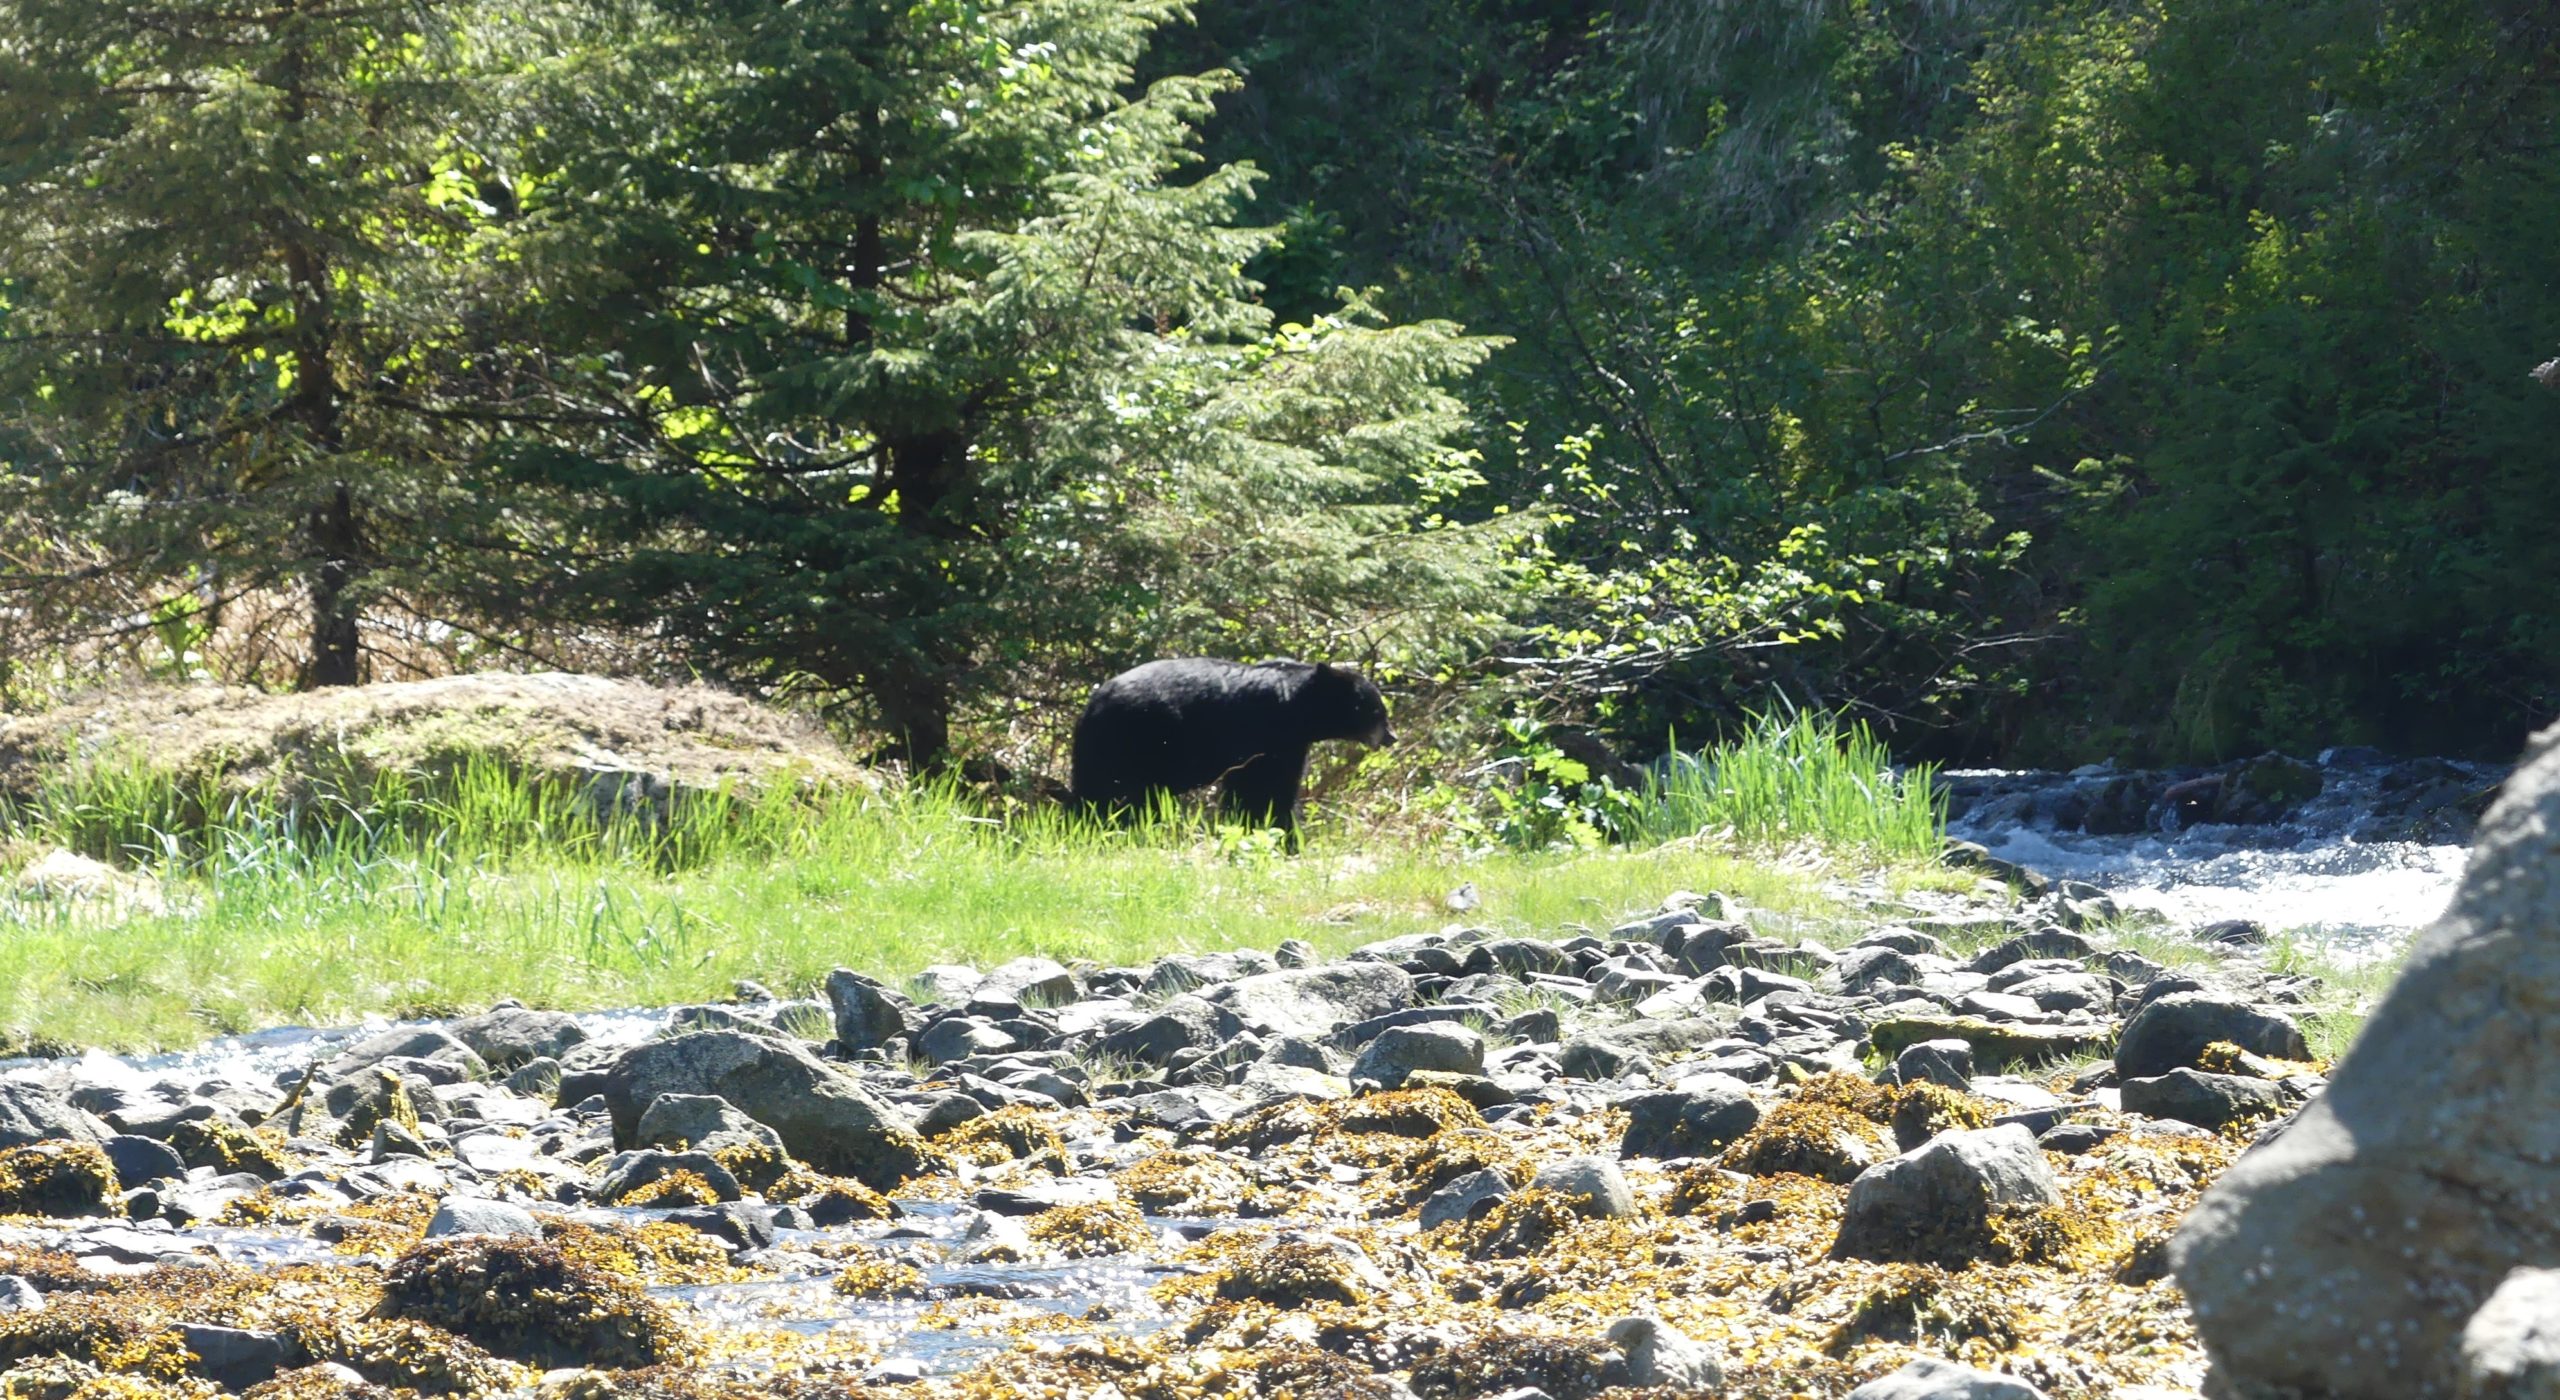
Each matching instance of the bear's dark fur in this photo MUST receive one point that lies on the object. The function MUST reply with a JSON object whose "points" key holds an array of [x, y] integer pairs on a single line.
{"points": [[1176, 726]]}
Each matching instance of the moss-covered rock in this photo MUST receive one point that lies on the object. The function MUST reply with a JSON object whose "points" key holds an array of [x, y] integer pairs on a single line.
{"points": [[56, 1178], [1089, 1232], [1809, 1137], [1566, 1368], [529, 1301]]}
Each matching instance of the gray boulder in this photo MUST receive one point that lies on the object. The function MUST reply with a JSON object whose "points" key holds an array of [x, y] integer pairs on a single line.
{"points": [[1701, 1115], [412, 1042], [470, 1215], [1182, 972], [1031, 981], [2401, 1197], [1400, 1051], [699, 1121], [961, 1038], [32, 1113], [627, 1172], [509, 1037], [1458, 1200], [1312, 1001], [1936, 1204], [2171, 1032], [867, 1014], [1656, 1355], [1932, 1379], [825, 1117], [1594, 1185], [2511, 1347], [1183, 1023], [1943, 1062], [2206, 1100]]}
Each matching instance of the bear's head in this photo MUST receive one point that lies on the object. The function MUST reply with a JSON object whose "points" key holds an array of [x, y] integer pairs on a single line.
{"points": [[1348, 706]]}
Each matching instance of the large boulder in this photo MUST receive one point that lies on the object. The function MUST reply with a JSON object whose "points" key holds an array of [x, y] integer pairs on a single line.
{"points": [[510, 1037], [825, 1118], [2171, 1032], [1399, 1052], [1938, 1204], [1702, 1114], [1931, 1379], [31, 1113], [2511, 1347], [2344, 1257], [1311, 1001], [868, 1015]]}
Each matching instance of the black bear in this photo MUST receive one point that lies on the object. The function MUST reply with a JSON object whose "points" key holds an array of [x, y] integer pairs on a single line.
{"points": [[1174, 726]]}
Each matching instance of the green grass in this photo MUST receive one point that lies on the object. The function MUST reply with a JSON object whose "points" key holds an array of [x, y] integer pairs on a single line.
{"points": [[407, 900], [1801, 777]]}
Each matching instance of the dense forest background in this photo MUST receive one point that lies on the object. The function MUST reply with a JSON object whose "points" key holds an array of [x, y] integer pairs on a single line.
{"points": [[2039, 380]]}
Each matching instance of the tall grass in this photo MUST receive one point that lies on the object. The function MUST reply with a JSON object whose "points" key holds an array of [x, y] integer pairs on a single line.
{"points": [[413, 896], [1799, 777]]}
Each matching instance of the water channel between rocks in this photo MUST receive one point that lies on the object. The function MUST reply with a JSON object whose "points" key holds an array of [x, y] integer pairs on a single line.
{"points": [[2356, 866]]}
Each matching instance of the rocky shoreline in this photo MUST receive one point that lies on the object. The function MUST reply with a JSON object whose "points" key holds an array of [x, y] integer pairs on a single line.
{"points": [[1937, 1154]]}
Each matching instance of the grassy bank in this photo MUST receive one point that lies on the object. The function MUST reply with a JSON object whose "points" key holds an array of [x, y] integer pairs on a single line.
{"points": [[411, 899]]}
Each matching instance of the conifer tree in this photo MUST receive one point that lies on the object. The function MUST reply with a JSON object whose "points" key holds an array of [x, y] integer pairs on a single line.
{"points": [[917, 355], [220, 229]]}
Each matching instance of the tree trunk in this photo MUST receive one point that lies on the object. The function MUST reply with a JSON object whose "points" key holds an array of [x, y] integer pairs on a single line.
{"points": [[335, 539]]}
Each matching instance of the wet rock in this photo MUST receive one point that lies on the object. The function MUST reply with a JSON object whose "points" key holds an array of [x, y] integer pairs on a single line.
{"points": [[1399, 1051], [825, 1117], [416, 1042], [1035, 1197], [30, 1113], [1594, 1185], [2171, 1032], [470, 1215], [1702, 1115], [511, 1036], [2511, 1346], [628, 1174], [1657, 1355], [2206, 1100], [1938, 1204], [140, 1159], [868, 1015], [1312, 1001], [1943, 1062], [1460, 1199], [699, 1121], [742, 1224], [1932, 1379], [56, 1178], [235, 1358], [526, 1300], [2405, 1194]]}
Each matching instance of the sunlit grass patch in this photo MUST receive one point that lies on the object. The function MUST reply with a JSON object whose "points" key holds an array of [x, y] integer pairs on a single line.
{"points": [[417, 898]]}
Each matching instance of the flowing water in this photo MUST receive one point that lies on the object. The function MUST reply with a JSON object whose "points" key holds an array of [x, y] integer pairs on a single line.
{"points": [[2373, 855]]}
